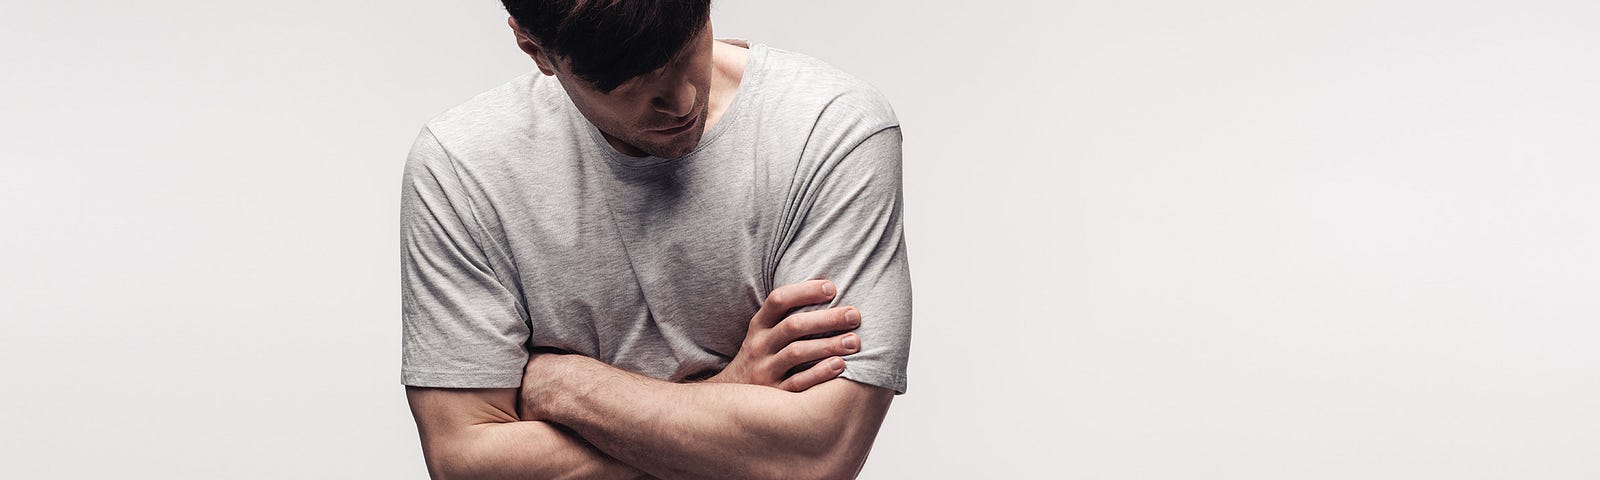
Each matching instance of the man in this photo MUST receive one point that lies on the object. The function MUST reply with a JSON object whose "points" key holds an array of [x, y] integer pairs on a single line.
{"points": [[660, 255]]}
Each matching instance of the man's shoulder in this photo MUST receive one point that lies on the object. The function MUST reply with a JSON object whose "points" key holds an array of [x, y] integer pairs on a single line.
{"points": [[817, 108], [800, 81], [506, 115]]}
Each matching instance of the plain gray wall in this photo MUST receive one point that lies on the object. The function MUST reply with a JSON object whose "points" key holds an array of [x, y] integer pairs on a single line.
{"points": [[1150, 239]]}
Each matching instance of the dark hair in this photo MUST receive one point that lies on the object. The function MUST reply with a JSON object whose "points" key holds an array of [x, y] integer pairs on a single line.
{"points": [[607, 42]]}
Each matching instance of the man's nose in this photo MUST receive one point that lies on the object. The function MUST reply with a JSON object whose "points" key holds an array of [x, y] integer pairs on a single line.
{"points": [[677, 99]]}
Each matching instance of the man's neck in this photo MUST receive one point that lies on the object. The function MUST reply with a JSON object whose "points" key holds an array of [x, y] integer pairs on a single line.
{"points": [[727, 70]]}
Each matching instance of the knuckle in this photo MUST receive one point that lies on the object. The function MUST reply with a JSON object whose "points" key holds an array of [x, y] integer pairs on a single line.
{"points": [[801, 323], [774, 340], [810, 350], [790, 355], [794, 326], [809, 377], [765, 365]]}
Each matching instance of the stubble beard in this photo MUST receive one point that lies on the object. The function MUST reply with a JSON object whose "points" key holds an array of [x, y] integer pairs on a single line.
{"points": [[679, 145]]}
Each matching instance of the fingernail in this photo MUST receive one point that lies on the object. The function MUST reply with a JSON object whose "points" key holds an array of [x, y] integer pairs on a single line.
{"points": [[851, 342], [827, 288], [837, 364], [852, 317]]}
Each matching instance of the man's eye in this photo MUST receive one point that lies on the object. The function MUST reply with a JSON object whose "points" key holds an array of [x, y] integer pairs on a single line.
{"points": [[625, 86]]}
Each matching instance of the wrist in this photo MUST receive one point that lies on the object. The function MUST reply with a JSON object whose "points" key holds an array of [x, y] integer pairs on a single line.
{"points": [[547, 382], [722, 376], [733, 372]]}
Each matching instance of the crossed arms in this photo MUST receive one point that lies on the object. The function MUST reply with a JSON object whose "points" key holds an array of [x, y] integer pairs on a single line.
{"points": [[581, 418], [575, 417]]}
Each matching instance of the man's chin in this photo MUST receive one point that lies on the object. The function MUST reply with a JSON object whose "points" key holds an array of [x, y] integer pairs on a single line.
{"points": [[676, 149], [675, 153]]}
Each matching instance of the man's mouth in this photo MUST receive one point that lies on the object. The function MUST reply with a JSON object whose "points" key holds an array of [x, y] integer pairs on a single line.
{"points": [[678, 128]]}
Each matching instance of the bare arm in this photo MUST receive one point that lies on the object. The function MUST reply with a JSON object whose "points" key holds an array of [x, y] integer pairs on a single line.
{"points": [[851, 230], [475, 433], [464, 328], [480, 433], [710, 430]]}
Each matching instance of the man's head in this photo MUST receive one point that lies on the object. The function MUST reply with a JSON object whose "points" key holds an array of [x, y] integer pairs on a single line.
{"points": [[639, 70]]}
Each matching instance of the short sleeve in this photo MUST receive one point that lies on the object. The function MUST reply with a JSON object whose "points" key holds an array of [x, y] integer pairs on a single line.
{"points": [[463, 328], [851, 234]]}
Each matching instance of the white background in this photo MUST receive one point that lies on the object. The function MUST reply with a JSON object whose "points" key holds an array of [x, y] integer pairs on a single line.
{"points": [[1228, 239]]}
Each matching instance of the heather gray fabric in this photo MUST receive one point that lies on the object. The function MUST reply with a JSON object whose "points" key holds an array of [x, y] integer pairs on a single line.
{"points": [[521, 227]]}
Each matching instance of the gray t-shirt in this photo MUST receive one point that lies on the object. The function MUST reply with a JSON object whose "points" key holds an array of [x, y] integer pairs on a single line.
{"points": [[521, 227]]}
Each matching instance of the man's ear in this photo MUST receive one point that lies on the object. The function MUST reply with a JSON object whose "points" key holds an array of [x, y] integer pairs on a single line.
{"points": [[532, 49]]}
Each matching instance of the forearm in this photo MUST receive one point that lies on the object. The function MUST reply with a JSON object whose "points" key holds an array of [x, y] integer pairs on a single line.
{"points": [[486, 441], [527, 450], [706, 430]]}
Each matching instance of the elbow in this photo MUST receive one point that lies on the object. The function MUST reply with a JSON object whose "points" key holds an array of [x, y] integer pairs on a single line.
{"points": [[843, 465], [442, 463], [452, 459], [837, 448], [456, 467], [827, 439], [827, 457]]}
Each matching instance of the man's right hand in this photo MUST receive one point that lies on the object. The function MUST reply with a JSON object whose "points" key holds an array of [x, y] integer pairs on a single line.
{"points": [[778, 342]]}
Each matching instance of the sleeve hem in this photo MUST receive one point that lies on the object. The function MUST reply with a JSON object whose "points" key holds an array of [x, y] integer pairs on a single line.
{"points": [[417, 378], [877, 378]]}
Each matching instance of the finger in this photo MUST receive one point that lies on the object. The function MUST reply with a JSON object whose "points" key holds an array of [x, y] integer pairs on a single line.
{"points": [[818, 323], [789, 297], [810, 377], [805, 351]]}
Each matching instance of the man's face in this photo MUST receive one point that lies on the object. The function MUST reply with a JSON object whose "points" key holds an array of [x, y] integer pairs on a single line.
{"points": [[660, 113]]}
